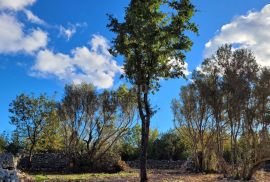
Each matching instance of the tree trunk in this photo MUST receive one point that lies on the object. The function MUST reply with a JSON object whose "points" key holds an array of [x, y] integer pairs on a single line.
{"points": [[145, 115], [30, 156], [144, 146]]}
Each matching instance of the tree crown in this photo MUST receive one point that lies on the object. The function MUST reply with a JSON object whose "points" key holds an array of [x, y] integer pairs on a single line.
{"points": [[152, 39]]}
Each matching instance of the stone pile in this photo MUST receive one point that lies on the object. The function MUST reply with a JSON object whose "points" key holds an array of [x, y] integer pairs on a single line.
{"points": [[189, 166], [8, 171], [45, 162]]}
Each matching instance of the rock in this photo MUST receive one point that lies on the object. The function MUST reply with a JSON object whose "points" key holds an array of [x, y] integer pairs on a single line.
{"points": [[189, 166], [3, 174], [8, 175], [7, 168], [7, 161]]}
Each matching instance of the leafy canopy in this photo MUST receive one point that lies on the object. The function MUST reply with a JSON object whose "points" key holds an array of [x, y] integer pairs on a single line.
{"points": [[152, 40]]}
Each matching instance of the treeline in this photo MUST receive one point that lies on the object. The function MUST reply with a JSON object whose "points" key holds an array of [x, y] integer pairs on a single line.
{"points": [[222, 120], [224, 113], [85, 122]]}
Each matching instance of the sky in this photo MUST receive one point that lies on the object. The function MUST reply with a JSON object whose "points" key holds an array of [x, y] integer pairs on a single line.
{"points": [[45, 44]]}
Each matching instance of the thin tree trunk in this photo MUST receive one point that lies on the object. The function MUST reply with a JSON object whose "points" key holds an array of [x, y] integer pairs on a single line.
{"points": [[30, 156], [145, 115], [144, 146]]}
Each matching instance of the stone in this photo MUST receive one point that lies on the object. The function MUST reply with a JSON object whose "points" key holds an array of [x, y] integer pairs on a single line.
{"points": [[7, 161], [3, 174], [189, 166], [8, 175]]}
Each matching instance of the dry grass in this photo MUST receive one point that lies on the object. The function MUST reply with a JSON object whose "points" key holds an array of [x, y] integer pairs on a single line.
{"points": [[154, 175]]}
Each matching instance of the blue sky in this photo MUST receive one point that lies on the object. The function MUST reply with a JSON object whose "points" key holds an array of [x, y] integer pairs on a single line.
{"points": [[45, 44]]}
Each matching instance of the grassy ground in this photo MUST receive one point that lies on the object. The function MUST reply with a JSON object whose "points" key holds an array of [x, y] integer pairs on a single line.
{"points": [[85, 177], [154, 175]]}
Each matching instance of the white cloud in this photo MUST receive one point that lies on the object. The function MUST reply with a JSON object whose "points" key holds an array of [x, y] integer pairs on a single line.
{"points": [[92, 65], [33, 18], [14, 36], [184, 66], [15, 4], [14, 39], [249, 31], [185, 69], [70, 30], [67, 32]]}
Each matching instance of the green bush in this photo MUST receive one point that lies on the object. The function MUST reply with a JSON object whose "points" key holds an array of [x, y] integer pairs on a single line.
{"points": [[168, 147]]}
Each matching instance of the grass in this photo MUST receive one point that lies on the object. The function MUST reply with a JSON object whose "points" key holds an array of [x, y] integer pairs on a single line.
{"points": [[154, 176], [87, 176]]}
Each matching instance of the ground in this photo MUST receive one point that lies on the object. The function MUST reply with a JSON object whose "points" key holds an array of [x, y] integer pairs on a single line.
{"points": [[154, 175]]}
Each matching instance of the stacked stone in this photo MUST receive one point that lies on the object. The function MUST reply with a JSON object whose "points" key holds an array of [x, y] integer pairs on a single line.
{"points": [[49, 162], [8, 171]]}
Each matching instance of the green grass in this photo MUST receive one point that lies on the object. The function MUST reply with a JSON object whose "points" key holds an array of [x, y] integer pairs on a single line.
{"points": [[88, 176]]}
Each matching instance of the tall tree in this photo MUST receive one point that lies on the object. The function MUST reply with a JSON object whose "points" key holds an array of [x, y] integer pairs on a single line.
{"points": [[153, 42]]}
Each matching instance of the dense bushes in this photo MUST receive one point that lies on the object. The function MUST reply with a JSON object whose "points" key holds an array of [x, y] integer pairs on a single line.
{"points": [[166, 146]]}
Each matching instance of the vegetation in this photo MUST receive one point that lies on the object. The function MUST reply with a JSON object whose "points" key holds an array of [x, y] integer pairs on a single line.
{"points": [[163, 146], [222, 116], [153, 43], [224, 112], [89, 176], [92, 123], [31, 116]]}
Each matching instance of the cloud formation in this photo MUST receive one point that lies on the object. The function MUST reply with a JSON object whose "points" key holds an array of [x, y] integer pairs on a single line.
{"points": [[250, 31], [15, 4], [14, 36], [14, 39], [92, 65], [33, 18], [70, 30]]}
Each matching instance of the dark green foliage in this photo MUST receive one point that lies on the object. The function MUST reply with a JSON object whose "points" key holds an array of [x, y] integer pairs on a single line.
{"points": [[169, 146], [14, 145], [130, 145], [3, 142], [151, 37]]}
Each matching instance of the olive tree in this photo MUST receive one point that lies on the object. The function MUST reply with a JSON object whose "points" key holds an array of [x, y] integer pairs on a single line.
{"points": [[93, 122]]}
